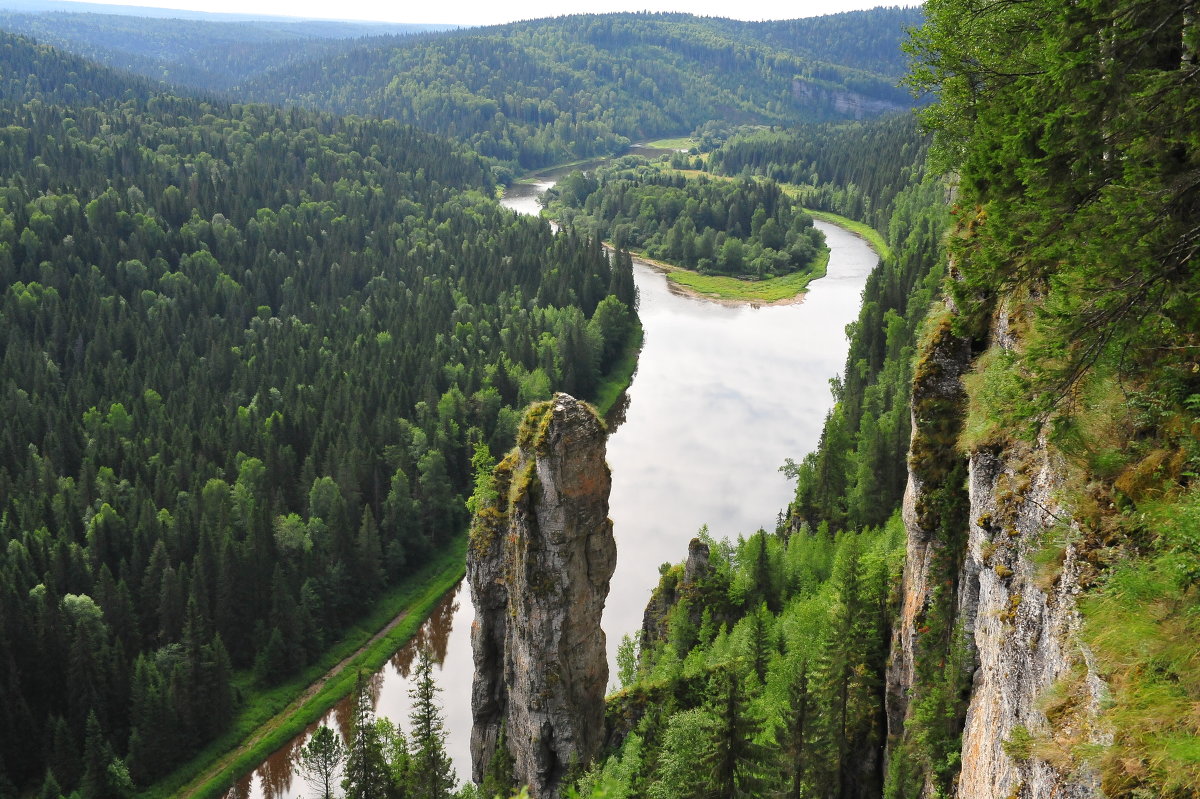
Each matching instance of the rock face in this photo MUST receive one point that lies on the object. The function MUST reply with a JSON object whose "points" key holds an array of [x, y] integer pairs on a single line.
{"points": [[842, 102], [1034, 692], [1031, 664], [671, 587], [937, 401], [541, 555]]}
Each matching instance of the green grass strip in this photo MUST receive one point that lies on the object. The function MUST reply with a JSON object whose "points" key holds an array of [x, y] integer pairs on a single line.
{"points": [[773, 289], [873, 236], [678, 143], [272, 717]]}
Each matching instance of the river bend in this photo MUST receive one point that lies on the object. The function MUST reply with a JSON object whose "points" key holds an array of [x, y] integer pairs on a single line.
{"points": [[722, 396]]}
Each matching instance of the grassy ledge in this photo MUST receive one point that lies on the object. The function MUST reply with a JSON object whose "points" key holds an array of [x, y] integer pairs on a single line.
{"points": [[873, 236], [268, 719]]}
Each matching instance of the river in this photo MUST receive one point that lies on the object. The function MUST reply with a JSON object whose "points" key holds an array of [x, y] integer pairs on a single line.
{"points": [[722, 396]]}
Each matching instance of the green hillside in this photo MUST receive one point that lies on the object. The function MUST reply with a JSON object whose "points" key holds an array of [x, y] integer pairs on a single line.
{"points": [[536, 93], [194, 53]]}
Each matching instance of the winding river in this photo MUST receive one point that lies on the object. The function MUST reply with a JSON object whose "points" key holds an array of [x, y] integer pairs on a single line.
{"points": [[723, 394]]}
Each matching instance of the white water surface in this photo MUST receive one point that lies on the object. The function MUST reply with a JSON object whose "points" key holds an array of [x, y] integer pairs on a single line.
{"points": [[722, 396]]}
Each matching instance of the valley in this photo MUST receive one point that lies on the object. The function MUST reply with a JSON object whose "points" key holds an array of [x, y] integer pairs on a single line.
{"points": [[267, 336]]}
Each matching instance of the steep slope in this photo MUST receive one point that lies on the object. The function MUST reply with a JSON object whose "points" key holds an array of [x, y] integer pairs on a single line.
{"points": [[1054, 446], [536, 93]]}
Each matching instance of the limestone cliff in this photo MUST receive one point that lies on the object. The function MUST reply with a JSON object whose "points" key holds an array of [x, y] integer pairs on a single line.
{"points": [[541, 555], [1004, 577], [842, 102]]}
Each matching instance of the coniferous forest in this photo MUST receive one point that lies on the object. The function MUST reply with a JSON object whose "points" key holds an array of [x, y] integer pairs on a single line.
{"points": [[740, 228], [248, 354], [264, 329]]}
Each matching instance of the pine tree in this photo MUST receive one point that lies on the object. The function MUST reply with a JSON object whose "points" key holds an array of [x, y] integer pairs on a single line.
{"points": [[366, 774], [320, 760], [432, 773]]}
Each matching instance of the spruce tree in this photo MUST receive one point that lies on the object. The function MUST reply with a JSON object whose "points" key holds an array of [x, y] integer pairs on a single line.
{"points": [[366, 774], [431, 772]]}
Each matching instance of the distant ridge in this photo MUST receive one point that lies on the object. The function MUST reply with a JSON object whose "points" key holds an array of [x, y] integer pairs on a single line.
{"points": [[365, 27]]}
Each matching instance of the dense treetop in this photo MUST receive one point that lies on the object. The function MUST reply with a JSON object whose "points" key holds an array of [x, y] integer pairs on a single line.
{"points": [[247, 356], [855, 169]]}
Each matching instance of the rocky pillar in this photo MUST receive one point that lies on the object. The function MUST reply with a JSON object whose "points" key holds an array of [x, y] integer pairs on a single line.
{"points": [[541, 555]]}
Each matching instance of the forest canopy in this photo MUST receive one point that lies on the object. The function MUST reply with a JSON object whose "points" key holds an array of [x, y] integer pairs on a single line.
{"points": [[248, 355], [734, 227]]}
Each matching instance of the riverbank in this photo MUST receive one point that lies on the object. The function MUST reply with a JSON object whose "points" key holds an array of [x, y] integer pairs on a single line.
{"points": [[614, 384], [783, 290], [269, 718], [861, 229]]}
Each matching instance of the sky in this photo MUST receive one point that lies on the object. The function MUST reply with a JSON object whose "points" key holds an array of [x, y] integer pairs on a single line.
{"points": [[489, 12]]}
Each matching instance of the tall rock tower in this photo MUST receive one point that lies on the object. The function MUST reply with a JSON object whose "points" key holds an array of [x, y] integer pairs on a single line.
{"points": [[541, 555]]}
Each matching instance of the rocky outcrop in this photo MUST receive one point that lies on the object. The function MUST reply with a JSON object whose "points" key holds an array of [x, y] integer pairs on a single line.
{"points": [[842, 102], [672, 586], [1007, 576], [930, 506], [541, 555], [1034, 695]]}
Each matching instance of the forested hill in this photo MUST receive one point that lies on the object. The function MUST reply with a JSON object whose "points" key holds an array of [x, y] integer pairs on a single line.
{"points": [[34, 70], [536, 93], [247, 357], [194, 53]]}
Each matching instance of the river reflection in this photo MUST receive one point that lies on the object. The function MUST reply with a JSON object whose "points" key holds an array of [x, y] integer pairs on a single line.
{"points": [[721, 397], [278, 777]]}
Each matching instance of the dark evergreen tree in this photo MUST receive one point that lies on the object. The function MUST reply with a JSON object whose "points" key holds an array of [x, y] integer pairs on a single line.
{"points": [[431, 773], [366, 775]]}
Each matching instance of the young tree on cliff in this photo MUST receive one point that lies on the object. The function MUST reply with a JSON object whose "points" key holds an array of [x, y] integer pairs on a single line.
{"points": [[431, 774]]}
